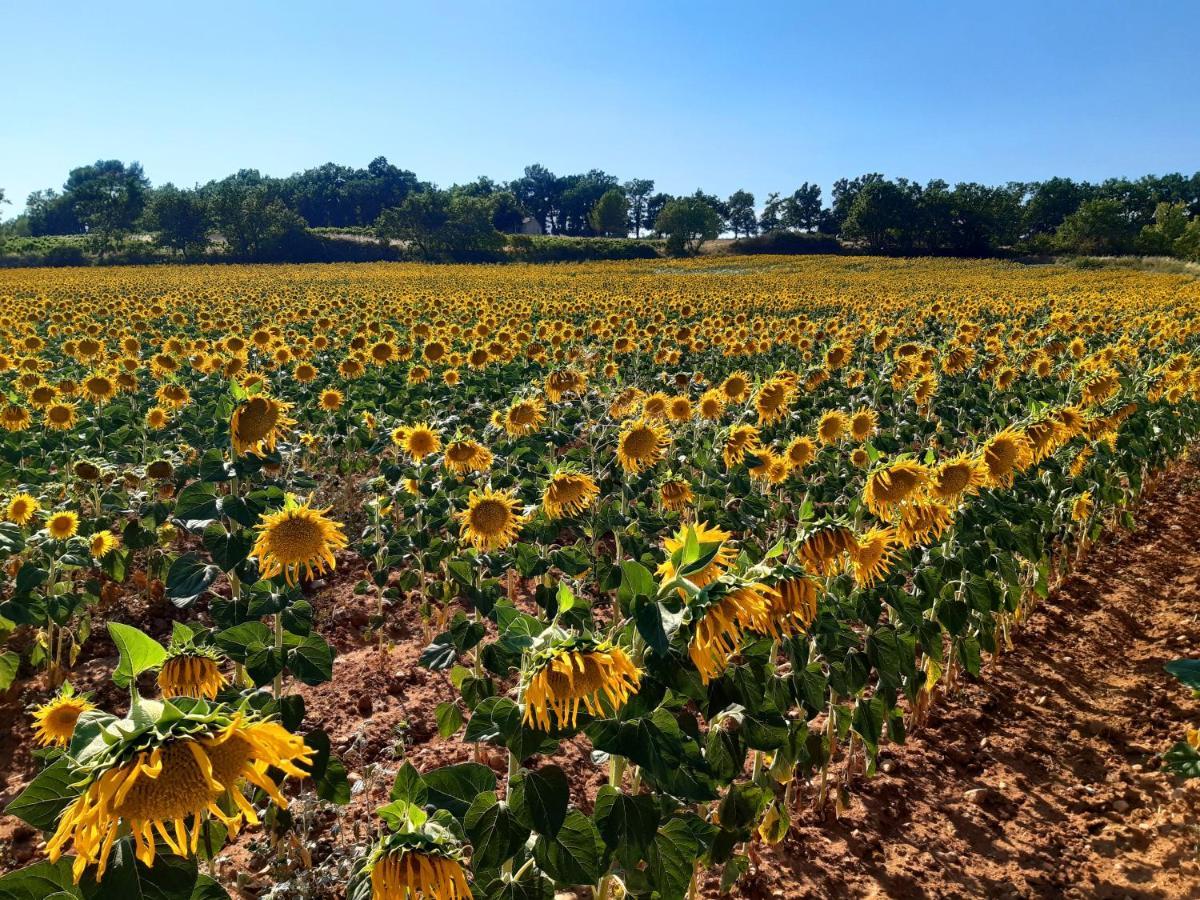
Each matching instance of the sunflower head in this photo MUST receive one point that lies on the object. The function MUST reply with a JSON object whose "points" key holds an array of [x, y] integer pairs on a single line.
{"points": [[893, 484], [54, 721], [675, 494], [258, 423], [21, 509], [739, 440], [922, 521], [794, 603], [295, 540], [641, 444], [190, 671], [575, 672], [873, 555], [699, 553], [102, 543], [524, 417], [62, 524], [721, 616], [824, 548], [1006, 453], [863, 424], [61, 415], [833, 426], [408, 865], [491, 520], [419, 441], [771, 401], [331, 399], [466, 455], [957, 477], [800, 452], [568, 493], [1082, 507]]}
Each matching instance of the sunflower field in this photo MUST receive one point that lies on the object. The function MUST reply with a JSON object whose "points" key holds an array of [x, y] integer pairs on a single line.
{"points": [[722, 528]]}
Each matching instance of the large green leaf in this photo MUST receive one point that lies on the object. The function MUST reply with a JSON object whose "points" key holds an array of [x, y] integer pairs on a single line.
{"points": [[495, 833], [46, 796], [627, 823], [139, 652], [454, 788], [573, 857], [539, 799], [188, 578]]}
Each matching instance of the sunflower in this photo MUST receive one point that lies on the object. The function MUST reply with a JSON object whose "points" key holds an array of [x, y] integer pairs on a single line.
{"points": [[62, 525], [675, 494], [874, 554], [103, 543], [1082, 507], [641, 444], [736, 386], [922, 521], [21, 509], [739, 440], [721, 625], [99, 387], [465, 455], [770, 467], [258, 423], [331, 399], [794, 604], [655, 406], [800, 452], [823, 548], [960, 476], [1006, 453], [173, 395], [420, 441], [491, 520], [191, 672], [711, 405], [833, 426], [524, 417], [423, 872], [296, 538], [158, 778], [893, 484], [598, 677], [680, 409], [568, 494], [54, 721], [61, 415], [717, 552], [157, 418], [14, 418], [863, 424], [771, 401]]}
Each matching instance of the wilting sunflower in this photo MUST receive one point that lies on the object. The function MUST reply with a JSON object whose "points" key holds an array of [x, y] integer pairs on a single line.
{"points": [[717, 554], [157, 418], [102, 543], [794, 604], [833, 426], [893, 484], [723, 621], [21, 509], [258, 423], [152, 781], [800, 452], [1082, 507], [332, 399], [675, 494], [466, 455], [191, 672], [491, 520], [412, 866], [922, 521], [14, 418], [99, 387], [874, 555], [771, 401], [54, 721], [62, 525], [863, 424], [739, 440], [641, 444], [297, 538], [957, 477], [524, 417], [61, 415], [1006, 453], [568, 494], [419, 441], [769, 466], [600, 677], [824, 547]]}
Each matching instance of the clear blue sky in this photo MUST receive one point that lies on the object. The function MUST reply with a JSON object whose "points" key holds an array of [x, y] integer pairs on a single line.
{"points": [[720, 95]]}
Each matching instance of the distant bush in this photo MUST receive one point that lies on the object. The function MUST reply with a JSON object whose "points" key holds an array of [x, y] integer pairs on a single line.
{"points": [[787, 243], [531, 248]]}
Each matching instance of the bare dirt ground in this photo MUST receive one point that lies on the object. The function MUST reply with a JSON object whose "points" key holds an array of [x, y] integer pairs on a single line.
{"points": [[1042, 780]]}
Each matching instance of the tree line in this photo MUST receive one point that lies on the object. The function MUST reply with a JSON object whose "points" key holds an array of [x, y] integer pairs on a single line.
{"points": [[252, 216]]}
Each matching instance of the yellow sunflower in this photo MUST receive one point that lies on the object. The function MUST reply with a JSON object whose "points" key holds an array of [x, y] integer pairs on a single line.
{"points": [[102, 543], [892, 484], [833, 426], [420, 441], [62, 525], [960, 476], [772, 400], [641, 444], [21, 509], [524, 417], [297, 539], [874, 555], [676, 495], [466, 455], [54, 721], [61, 415], [569, 494], [491, 520], [599, 678], [1006, 453], [14, 418], [258, 423], [720, 628], [740, 440], [188, 672], [157, 418], [417, 874], [331, 399]]}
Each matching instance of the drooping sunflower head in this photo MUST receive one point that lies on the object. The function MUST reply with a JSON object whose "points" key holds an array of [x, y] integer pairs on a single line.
{"points": [[190, 671], [577, 672], [1006, 453], [1045, 436], [21, 509], [959, 476], [768, 466], [863, 424], [675, 494], [891, 485], [833, 426], [258, 423], [641, 444], [568, 493], [771, 401], [466, 455], [420, 441], [714, 551], [102, 543], [873, 556], [923, 521], [62, 524], [296, 540], [824, 547], [729, 610], [524, 417], [491, 520], [54, 721], [418, 865], [1082, 507], [794, 603], [739, 440], [149, 782]]}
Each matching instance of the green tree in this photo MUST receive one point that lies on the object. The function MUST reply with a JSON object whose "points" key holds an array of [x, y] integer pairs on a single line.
{"points": [[742, 220], [772, 214], [109, 197], [1170, 224], [882, 216], [254, 222], [438, 225], [610, 215], [1098, 227], [180, 218], [638, 191], [687, 223], [802, 210]]}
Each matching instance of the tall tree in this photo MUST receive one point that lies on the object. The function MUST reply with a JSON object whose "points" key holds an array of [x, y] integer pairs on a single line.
{"points": [[688, 223], [638, 191], [610, 215], [802, 210], [108, 197], [180, 218], [537, 190], [742, 220], [772, 214]]}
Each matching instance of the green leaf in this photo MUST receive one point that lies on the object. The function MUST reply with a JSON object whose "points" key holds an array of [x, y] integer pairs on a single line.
{"points": [[311, 660], [45, 797], [139, 652], [539, 799], [669, 866], [449, 718], [1186, 670], [409, 785], [626, 823], [188, 578], [636, 581], [573, 857], [532, 885], [40, 881], [171, 878], [207, 889], [495, 833], [454, 788], [9, 663], [868, 721]]}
